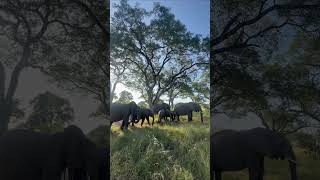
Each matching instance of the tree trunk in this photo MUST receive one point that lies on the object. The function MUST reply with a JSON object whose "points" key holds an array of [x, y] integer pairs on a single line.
{"points": [[171, 103], [6, 101], [150, 99], [150, 103], [113, 90], [4, 117]]}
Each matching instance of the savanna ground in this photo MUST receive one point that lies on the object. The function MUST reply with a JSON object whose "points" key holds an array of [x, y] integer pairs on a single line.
{"points": [[166, 151], [307, 168]]}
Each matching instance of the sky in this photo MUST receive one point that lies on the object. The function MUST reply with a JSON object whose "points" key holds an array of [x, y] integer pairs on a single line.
{"points": [[33, 82], [184, 10]]}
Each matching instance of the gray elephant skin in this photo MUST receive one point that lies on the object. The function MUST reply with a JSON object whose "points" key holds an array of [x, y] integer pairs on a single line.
{"points": [[28, 155], [157, 107], [182, 109], [144, 114], [164, 114], [246, 149], [98, 160], [123, 112]]}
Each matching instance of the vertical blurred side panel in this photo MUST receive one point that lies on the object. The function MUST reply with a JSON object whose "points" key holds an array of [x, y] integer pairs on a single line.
{"points": [[54, 89], [264, 89]]}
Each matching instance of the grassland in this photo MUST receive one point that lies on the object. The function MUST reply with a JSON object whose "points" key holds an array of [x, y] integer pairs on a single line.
{"points": [[181, 151], [308, 169], [168, 151]]}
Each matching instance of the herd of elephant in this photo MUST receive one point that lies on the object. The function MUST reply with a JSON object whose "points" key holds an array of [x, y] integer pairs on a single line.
{"points": [[70, 155], [132, 113], [67, 155]]}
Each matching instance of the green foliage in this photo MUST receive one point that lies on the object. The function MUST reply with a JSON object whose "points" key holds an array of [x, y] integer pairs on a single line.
{"points": [[50, 113], [158, 46], [310, 142], [17, 112], [161, 152], [125, 97], [143, 104]]}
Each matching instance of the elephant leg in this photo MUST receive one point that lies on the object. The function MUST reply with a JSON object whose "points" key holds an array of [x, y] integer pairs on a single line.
{"points": [[148, 120], [217, 175], [122, 124], [152, 120], [261, 174], [254, 173], [189, 117], [142, 121], [132, 122], [125, 123]]}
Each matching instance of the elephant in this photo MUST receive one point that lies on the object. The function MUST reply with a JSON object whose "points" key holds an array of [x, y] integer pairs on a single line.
{"points": [[163, 106], [93, 168], [157, 107], [181, 109], [164, 113], [123, 112], [144, 113], [233, 150], [29, 155]]}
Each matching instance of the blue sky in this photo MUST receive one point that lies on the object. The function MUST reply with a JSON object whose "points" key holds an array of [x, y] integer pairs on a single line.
{"points": [[195, 14]]}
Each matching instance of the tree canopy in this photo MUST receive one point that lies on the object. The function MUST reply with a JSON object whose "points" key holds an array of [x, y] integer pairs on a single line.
{"points": [[159, 47], [253, 71]]}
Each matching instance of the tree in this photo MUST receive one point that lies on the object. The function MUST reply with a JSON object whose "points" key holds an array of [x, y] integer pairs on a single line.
{"points": [[143, 104], [125, 97], [162, 51], [118, 70], [81, 62], [23, 24], [244, 42], [50, 113], [30, 28]]}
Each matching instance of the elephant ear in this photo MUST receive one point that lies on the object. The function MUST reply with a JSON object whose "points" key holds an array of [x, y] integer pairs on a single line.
{"points": [[74, 140]]}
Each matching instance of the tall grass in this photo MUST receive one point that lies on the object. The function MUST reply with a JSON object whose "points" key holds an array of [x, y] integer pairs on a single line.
{"points": [[170, 151]]}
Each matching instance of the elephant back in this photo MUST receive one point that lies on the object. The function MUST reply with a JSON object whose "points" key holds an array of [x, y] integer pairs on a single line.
{"points": [[182, 109], [157, 107], [119, 111]]}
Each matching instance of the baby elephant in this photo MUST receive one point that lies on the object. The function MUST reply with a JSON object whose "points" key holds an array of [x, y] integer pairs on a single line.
{"points": [[143, 114], [165, 113]]}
